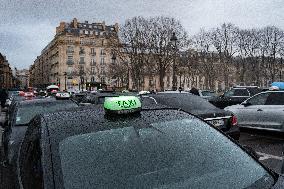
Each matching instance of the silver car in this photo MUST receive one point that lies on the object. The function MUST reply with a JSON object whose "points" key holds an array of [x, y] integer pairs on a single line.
{"points": [[262, 111]]}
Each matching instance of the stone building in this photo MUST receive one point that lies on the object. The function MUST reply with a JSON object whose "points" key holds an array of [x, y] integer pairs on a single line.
{"points": [[23, 78], [6, 76], [77, 58]]}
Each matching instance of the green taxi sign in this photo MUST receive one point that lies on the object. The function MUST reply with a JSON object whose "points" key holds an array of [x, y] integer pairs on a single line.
{"points": [[122, 104]]}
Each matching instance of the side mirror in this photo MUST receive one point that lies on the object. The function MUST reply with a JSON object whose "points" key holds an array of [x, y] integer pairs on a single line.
{"points": [[245, 103]]}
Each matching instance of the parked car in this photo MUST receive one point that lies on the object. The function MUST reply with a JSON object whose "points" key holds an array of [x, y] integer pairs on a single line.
{"points": [[235, 95], [95, 98], [224, 120], [122, 146], [20, 116], [207, 94], [262, 111]]}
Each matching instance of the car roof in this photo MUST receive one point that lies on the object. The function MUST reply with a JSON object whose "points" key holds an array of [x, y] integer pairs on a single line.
{"points": [[187, 102], [44, 100], [173, 92]]}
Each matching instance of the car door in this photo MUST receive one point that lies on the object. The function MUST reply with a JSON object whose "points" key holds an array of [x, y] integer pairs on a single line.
{"points": [[271, 114], [248, 114]]}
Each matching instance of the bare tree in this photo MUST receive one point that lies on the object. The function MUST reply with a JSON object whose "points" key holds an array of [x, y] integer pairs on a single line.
{"points": [[224, 40]]}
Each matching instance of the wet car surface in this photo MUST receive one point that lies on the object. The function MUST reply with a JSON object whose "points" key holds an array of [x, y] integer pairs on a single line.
{"points": [[142, 149], [263, 111], [224, 120], [20, 116]]}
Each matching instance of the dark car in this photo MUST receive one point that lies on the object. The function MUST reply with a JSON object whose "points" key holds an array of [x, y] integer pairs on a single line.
{"points": [[20, 116], [122, 146], [235, 95], [78, 96], [96, 98], [224, 120]]}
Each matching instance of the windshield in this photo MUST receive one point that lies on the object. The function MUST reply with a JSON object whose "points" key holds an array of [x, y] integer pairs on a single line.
{"points": [[26, 112], [208, 93], [159, 156]]}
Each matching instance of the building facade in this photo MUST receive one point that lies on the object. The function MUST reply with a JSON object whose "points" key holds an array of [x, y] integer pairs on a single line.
{"points": [[23, 78], [77, 58], [6, 76]]}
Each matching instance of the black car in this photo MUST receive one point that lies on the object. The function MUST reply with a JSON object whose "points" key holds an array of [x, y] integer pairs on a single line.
{"points": [[235, 95], [224, 120], [19, 117], [96, 98], [122, 146]]}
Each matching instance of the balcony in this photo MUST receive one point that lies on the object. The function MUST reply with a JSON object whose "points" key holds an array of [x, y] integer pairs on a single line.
{"points": [[70, 62], [93, 63], [81, 62], [93, 53], [81, 52]]}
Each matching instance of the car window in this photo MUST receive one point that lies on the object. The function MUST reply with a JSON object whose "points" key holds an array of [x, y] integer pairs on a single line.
{"points": [[259, 99], [208, 93], [241, 92], [26, 112], [275, 99], [229, 93], [167, 154]]}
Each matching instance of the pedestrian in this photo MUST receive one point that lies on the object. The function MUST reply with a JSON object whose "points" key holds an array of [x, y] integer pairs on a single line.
{"points": [[180, 89], [194, 91], [3, 97]]}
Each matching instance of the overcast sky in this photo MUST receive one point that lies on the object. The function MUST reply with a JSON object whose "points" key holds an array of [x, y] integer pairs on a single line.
{"points": [[27, 26]]}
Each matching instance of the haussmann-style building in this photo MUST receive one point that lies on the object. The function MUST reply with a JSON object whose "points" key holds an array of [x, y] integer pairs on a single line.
{"points": [[6, 76], [77, 58]]}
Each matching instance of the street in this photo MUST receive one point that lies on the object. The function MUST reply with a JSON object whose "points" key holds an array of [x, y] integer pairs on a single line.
{"points": [[268, 145]]}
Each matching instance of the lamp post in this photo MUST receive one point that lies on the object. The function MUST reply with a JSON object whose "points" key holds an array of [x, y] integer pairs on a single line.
{"points": [[174, 42], [65, 77]]}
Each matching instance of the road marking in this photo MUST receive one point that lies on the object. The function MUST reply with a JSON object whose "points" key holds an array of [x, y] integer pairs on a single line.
{"points": [[268, 156]]}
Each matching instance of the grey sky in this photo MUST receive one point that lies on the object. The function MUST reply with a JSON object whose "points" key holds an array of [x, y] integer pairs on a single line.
{"points": [[26, 26]]}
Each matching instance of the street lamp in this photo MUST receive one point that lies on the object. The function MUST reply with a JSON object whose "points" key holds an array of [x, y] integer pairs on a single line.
{"points": [[174, 42], [65, 76]]}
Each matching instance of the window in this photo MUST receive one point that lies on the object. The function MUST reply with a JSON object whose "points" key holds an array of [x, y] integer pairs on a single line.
{"points": [[82, 50], [86, 32], [241, 92], [102, 61], [258, 99], [103, 79], [92, 79], [82, 60], [275, 99], [93, 69], [70, 58], [69, 70], [93, 62], [102, 42], [236, 92], [81, 70], [70, 49], [93, 52], [103, 52]]}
